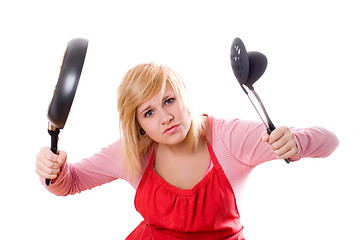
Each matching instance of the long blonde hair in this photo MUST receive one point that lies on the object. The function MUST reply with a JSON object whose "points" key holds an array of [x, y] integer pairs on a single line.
{"points": [[139, 85]]}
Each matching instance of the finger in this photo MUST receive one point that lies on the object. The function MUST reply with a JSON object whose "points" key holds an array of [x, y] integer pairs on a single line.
{"points": [[49, 163], [290, 145], [279, 143], [48, 158], [46, 153], [41, 173], [46, 169], [283, 149], [289, 154], [46, 164], [62, 157], [264, 137], [45, 174], [276, 134]]}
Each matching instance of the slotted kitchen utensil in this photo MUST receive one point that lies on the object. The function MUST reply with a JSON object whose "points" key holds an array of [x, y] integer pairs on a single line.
{"points": [[248, 67]]}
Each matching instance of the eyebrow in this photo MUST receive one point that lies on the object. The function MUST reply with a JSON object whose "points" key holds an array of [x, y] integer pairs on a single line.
{"points": [[150, 107]]}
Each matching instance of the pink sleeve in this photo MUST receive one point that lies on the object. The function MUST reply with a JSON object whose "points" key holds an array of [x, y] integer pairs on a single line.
{"points": [[314, 142], [103, 167], [243, 138]]}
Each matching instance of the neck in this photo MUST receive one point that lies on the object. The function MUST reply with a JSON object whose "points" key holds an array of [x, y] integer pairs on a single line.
{"points": [[180, 148], [177, 149]]}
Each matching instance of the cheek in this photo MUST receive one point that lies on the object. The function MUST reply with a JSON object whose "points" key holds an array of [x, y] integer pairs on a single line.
{"points": [[150, 126], [142, 124], [186, 117], [183, 110]]}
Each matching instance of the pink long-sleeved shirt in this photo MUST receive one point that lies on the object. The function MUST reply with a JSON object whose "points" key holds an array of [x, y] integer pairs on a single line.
{"points": [[237, 145]]}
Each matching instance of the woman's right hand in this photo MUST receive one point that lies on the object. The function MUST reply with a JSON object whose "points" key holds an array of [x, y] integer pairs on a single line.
{"points": [[48, 164]]}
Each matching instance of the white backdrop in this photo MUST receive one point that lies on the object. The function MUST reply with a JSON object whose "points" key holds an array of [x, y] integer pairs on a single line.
{"points": [[313, 53]]}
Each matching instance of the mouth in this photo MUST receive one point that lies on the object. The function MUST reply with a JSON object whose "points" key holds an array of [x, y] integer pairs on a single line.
{"points": [[172, 129]]}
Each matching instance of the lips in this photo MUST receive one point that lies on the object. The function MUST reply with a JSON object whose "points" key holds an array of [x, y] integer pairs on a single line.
{"points": [[171, 129]]}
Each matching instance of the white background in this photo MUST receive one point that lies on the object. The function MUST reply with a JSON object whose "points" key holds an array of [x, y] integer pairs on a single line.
{"points": [[312, 79]]}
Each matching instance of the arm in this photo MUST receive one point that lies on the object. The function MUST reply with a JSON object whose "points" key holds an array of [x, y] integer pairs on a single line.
{"points": [[100, 168], [314, 142], [244, 141]]}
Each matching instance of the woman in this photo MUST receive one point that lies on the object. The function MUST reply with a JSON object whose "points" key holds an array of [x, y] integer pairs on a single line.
{"points": [[186, 169]]}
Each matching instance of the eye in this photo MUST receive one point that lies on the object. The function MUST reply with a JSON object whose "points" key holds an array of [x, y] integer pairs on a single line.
{"points": [[148, 113], [170, 100]]}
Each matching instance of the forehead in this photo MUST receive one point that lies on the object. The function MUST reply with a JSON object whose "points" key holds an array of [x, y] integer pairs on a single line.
{"points": [[167, 90]]}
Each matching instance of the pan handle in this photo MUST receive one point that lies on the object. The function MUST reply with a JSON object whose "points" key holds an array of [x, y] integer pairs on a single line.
{"points": [[269, 130], [54, 133]]}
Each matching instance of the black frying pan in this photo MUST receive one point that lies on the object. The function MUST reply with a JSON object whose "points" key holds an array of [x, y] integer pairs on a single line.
{"points": [[248, 67], [66, 86]]}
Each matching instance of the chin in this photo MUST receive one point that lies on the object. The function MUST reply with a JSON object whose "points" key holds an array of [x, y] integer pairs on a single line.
{"points": [[177, 138]]}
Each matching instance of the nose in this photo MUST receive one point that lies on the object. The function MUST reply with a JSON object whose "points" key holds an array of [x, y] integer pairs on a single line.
{"points": [[166, 117]]}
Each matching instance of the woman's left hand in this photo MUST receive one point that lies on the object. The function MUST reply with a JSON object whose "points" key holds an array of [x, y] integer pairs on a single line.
{"points": [[282, 142]]}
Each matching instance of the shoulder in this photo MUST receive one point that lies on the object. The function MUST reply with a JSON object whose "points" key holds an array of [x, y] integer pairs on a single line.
{"points": [[231, 124], [234, 131]]}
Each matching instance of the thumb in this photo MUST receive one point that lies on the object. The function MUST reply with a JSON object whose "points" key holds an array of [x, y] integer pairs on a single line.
{"points": [[62, 157], [264, 136]]}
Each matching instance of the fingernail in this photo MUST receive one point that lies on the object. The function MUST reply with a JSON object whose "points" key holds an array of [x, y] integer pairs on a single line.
{"points": [[61, 159]]}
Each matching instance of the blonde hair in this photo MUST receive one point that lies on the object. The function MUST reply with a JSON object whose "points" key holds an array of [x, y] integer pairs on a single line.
{"points": [[139, 85]]}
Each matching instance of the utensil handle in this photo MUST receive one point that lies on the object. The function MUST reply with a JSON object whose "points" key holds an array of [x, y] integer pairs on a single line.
{"points": [[269, 130], [54, 145]]}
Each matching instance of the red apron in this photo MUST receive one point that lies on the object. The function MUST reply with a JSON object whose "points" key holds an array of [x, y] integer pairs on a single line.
{"points": [[207, 211]]}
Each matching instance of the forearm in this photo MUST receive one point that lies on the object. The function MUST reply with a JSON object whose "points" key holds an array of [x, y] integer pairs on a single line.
{"points": [[103, 167], [315, 142], [61, 186]]}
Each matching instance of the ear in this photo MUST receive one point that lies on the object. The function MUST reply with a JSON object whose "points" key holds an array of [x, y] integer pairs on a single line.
{"points": [[142, 131]]}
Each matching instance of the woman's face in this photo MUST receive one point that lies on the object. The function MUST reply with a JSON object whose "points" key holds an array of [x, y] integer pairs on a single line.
{"points": [[164, 118]]}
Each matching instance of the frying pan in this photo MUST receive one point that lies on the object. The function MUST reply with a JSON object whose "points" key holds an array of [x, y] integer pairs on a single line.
{"points": [[65, 90], [248, 67]]}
